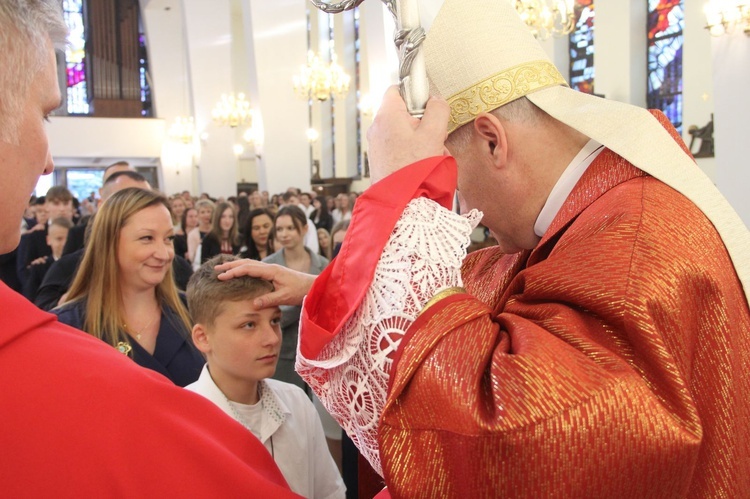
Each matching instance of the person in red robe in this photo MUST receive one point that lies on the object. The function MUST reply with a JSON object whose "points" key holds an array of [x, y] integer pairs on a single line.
{"points": [[80, 419], [600, 350]]}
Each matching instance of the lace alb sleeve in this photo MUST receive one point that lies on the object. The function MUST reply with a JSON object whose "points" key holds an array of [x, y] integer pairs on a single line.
{"points": [[422, 257]]}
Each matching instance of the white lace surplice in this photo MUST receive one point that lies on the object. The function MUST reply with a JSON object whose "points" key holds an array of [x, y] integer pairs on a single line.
{"points": [[350, 376]]}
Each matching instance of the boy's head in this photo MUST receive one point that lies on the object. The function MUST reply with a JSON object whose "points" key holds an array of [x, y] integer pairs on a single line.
{"points": [[57, 233], [59, 202], [240, 341]]}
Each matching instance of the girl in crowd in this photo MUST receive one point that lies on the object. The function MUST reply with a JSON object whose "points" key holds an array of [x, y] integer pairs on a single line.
{"points": [[320, 216], [188, 222], [205, 209], [124, 292], [291, 227], [324, 241], [223, 236], [258, 234], [178, 209]]}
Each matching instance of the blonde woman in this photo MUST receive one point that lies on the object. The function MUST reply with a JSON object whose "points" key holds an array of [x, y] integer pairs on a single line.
{"points": [[205, 209], [124, 292]]}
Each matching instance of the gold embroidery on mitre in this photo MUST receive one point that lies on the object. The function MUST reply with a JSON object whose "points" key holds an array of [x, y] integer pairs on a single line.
{"points": [[500, 89]]}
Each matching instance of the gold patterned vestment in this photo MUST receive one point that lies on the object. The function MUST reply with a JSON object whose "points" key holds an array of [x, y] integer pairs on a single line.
{"points": [[610, 361]]}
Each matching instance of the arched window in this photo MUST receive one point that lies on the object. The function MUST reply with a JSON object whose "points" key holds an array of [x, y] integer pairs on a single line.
{"points": [[666, 21]]}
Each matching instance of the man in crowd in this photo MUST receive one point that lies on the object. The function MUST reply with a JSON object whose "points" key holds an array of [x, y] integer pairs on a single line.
{"points": [[600, 350], [76, 235], [80, 419], [58, 203], [305, 203]]}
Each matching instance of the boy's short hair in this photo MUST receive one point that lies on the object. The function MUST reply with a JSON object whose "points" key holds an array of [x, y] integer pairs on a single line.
{"points": [[62, 222], [206, 293], [58, 194]]}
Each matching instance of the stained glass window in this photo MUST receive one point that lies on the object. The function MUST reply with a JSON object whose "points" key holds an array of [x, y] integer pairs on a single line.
{"points": [[582, 48], [75, 58], [147, 107], [77, 62], [666, 21]]}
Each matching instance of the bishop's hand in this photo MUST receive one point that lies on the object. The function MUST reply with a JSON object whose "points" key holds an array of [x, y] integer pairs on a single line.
{"points": [[290, 286], [396, 139]]}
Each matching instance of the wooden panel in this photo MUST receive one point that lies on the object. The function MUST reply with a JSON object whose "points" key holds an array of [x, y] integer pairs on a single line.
{"points": [[114, 45], [117, 108]]}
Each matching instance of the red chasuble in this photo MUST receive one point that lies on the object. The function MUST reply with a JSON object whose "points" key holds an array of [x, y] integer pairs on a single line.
{"points": [[610, 361], [79, 419]]}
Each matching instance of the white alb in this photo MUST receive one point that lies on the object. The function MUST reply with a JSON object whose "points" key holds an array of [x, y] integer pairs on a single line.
{"points": [[422, 257]]}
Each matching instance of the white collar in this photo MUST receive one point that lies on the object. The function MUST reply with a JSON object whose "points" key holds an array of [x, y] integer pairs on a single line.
{"points": [[565, 185], [274, 409]]}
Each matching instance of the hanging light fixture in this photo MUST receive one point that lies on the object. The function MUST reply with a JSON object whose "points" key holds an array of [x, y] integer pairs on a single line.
{"points": [[232, 111], [547, 18], [183, 129], [726, 16], [318, 80], [312, 135]]}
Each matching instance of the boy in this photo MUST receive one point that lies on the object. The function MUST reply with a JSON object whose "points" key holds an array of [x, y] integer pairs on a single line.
{"points": [[57, 233], [58, 202], [241, 344]]}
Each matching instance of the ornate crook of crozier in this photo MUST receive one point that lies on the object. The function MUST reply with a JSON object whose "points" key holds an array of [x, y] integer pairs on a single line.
{"points": [[409, 36]]}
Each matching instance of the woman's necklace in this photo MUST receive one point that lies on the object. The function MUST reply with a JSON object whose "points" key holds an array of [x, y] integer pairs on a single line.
{"points": [[138, 334]]}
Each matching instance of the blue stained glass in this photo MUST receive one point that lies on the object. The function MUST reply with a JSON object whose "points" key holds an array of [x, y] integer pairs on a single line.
{"points": [[665, 40], [582, 48], [146, 104], [75, 58]]}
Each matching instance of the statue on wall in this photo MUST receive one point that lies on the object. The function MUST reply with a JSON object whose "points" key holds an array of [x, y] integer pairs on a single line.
{"points": [[316, 169], [706, 136]]}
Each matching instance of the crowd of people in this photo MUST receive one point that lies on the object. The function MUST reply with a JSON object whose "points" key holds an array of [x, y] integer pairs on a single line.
{"points": [[204, 227]]}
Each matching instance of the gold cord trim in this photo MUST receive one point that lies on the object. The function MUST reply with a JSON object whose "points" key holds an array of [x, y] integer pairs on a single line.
{"points": [[500, 89], [442, 294]]}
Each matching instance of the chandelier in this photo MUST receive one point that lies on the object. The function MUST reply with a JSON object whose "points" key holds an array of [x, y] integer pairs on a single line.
{"points": [[547, 18], [726, 16], [183, 129], [232, 111], [318, 80]]}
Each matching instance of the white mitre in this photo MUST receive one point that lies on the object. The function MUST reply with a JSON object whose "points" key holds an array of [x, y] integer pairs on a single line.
{"points": [[479, 56]]}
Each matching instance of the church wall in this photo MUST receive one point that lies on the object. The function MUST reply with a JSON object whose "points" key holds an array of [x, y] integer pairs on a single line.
{"points": [[171, 93], [731, 76], [713, 82]]}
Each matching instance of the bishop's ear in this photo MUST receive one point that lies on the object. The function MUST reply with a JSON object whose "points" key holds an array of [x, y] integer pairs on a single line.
{"points": [[492, 133]]}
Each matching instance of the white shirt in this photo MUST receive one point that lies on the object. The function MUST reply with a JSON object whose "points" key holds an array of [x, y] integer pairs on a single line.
{"points": [[565, 184], [338, 217], [311, 238], [287, 423], [307, 209]]}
